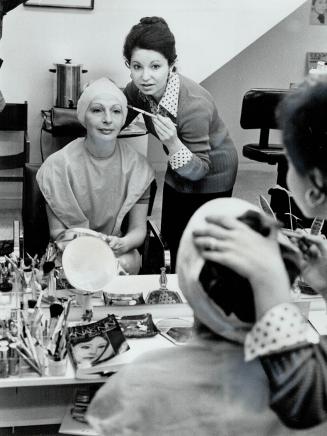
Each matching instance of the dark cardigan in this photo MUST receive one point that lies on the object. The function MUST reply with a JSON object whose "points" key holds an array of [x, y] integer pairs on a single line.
{"points": [[202, 131]]}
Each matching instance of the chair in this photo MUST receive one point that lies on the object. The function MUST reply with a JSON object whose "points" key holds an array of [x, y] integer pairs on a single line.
{"points": [[13, 118], [155, 253], [259, 112], [36, 233], [36, 229]]}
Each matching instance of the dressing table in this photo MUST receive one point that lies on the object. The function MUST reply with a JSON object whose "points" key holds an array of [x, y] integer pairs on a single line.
{"points": [[34, 400]]}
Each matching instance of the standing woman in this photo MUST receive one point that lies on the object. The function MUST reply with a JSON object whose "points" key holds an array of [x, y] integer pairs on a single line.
{"points": [[202, 159]]}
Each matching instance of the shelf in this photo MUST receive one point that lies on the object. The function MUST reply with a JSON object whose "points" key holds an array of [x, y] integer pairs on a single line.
{"points": [[137, 348], [35, 380], [71, 426], [40, 405]]}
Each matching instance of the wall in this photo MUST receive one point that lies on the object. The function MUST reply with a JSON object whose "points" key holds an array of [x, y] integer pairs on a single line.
{"points": [[273, 61], [34, 38]]}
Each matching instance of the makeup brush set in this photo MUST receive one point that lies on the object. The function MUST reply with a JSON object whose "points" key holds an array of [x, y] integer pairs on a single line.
{"points": [[26, 277], [29, 339]]}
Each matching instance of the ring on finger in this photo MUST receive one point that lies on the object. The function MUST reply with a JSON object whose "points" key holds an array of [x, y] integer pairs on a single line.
{"points": [[210, 246]]}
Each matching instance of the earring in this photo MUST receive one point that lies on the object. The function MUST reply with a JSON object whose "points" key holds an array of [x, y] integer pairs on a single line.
{"points": [[313, 197]]}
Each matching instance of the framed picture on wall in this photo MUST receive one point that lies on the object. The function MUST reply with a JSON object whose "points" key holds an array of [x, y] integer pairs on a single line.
{"points": [[71, 4], [318, 12]]}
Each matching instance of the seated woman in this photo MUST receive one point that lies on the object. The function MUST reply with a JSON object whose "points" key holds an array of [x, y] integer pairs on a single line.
{"points": [[94, 182], [204, 387]]}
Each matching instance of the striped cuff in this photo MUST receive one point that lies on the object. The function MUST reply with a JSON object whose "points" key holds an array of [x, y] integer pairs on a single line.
{"points": [[282, 326], [180, 158]]}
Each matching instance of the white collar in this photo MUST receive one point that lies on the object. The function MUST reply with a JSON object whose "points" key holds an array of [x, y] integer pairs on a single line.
{"points": [[169, 100]]}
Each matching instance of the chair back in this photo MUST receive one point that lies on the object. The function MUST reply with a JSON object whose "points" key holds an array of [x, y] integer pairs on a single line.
{"points": [[13, 118], [259, 112], [153, 191], [34, 215]]}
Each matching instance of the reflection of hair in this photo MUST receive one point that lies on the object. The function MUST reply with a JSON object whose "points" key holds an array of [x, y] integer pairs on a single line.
{"points": [[302, 117], [230, 291], [151, 33]]}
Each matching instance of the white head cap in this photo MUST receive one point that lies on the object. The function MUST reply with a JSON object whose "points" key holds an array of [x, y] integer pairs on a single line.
{"points": [[99, 88]]}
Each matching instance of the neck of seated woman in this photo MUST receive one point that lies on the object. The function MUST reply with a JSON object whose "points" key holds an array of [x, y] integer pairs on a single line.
{"points": [[100, 148]]}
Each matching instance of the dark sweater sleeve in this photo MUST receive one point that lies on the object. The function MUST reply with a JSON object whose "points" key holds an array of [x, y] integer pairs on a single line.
{"points": [[298, 384], [194, 121]]}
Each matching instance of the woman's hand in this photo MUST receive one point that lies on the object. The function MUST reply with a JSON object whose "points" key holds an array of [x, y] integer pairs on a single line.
{"points": [[314, 266], [167, 133], [118, 245], [230, 242]]}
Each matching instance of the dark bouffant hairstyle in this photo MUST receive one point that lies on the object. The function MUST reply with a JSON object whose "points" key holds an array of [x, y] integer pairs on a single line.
{"points": [[302, 116], [232, 292], [151, 33]]}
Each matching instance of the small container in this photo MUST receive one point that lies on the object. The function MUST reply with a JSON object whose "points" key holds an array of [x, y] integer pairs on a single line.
{"points": [[318, 74], [4, 362], [57, 368], [13, 363], [68, 83], [5, 298]]}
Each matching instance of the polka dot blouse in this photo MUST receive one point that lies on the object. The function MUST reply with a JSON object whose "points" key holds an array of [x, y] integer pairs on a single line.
{"points": [[169, 101], [168, 105], [282, 326]]}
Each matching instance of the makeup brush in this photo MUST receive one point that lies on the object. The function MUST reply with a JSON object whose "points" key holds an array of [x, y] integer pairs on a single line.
{"points": [[141, 111], [56, 310], [48, 266]]}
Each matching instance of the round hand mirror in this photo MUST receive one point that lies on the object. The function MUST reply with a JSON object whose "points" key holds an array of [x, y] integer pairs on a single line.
{"points": [[89, 264]]}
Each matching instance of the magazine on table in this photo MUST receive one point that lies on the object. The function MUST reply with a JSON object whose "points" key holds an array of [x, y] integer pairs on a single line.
{"points": [[177, 330], [92, 345]]}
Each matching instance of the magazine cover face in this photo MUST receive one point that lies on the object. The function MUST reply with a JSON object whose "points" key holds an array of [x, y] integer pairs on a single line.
{"points": [[93, 343]]}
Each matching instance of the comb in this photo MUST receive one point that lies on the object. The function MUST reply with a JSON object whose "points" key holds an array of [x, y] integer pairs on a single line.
{"points": [[265, 206]]}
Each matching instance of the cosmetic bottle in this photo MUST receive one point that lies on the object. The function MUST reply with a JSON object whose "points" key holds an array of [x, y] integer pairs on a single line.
{"points": [[318, 74]]}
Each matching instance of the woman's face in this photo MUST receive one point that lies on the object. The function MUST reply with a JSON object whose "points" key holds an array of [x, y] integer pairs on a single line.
{"points": [[149, 72], [298, 185], [91, 350], [320, 6], [104, 118]]}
